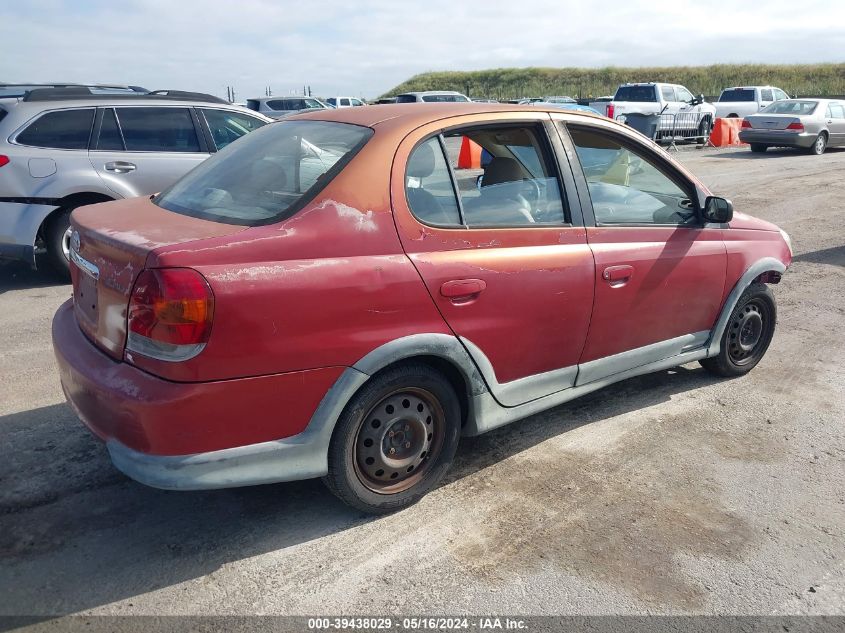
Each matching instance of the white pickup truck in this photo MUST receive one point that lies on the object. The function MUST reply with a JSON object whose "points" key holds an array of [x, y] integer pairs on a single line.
{"points": [[739, 102], [658, 98]]}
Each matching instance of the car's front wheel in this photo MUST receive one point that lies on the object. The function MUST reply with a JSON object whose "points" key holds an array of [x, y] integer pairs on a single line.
{"points": [[747, 335], [395, 440]]}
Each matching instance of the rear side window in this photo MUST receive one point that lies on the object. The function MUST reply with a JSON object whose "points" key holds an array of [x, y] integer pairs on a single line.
{"points": [[444, 98], [668, 93], [158, 130], [766, 95], [636, 93], [428, 186], [227, 126], [268, 175], [65, 129], [253, 104], [344, 102], [406, 99]]}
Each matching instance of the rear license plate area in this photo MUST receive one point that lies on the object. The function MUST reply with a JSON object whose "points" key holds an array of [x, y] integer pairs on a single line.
{"points": [[86, 296]]}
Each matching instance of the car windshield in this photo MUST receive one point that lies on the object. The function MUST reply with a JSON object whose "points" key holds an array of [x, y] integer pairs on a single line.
{"points": [[636, 93], [268, 174], [791, 107], [737, 94], [444, 98]]}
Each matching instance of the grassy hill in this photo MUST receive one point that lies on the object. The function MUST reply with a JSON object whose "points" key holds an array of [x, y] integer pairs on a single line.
{"points": [[510, 83]]}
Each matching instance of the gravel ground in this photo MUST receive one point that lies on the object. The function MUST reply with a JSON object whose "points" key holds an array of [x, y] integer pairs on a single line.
{"points": [[670, 493]]}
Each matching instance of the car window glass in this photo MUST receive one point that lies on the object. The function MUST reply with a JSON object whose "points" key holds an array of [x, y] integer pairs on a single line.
{"points": [[668, 93], [780, 94], [268, 174], [344, 102], [684, 95], [406, 99], [357, 102], [227, 126], [636, 93], [513, 182], [65, 129], [428, 186], [110, 137], [837, 111], [791, 107], [158, 130], [625, 185], [766, 95], [312, 103]]}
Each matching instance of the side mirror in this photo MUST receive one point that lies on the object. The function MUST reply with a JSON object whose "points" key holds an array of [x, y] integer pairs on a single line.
{"points": [[718, 210]]}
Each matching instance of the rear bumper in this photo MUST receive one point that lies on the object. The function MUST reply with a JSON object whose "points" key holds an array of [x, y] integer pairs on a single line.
{"points": [[19, 224], [779, 139], [190, 436]]}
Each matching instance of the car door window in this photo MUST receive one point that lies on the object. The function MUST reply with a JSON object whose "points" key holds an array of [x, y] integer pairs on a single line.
{"points": [[766, 95], [780, 94], [158, 129], [626, 186], [227, 126], [837, 111], [312, 103], [684, 95], [344, 102], [110, 137], [428, 186], [668, 93], [357, 102], [63, 129], [515, 184]]}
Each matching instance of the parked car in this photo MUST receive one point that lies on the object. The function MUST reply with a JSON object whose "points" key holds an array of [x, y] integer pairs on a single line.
{"points": [[565, 105], [251, 325], [8, 90], [558, 100], [660, 98], [739, 102], [432, 96], [811, 124], [61, 148], [344, 102], [280, 107]]}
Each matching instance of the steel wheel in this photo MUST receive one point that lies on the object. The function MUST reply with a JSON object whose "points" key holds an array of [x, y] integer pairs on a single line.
{"points": [[398, 440], [746, 332]]}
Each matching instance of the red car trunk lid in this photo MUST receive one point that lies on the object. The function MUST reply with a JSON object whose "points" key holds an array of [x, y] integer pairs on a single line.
{"points": [[110, 244]]}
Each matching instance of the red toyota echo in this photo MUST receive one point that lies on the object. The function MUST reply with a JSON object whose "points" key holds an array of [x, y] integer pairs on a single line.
{"points": [[345, 293]]}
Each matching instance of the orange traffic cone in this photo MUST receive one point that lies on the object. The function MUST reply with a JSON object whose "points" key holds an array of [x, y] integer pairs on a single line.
{"points": [[470, 156]]}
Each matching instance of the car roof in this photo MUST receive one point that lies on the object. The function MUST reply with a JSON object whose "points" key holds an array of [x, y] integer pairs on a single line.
{"points": [[412, 115]]}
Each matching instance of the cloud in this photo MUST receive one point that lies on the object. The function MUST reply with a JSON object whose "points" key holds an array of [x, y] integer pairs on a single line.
{"points": [[366, 47]]}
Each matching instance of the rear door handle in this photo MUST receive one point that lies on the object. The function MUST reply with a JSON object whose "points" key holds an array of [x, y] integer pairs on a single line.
{"points": [[120, 166], [463, 288], [618, 275]]}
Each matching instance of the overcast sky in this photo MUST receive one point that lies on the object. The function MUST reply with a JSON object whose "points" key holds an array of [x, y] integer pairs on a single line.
{"points": [[365, 47]]}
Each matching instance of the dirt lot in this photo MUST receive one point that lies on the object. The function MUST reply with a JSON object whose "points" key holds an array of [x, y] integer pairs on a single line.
{"points": [[670, 493]]}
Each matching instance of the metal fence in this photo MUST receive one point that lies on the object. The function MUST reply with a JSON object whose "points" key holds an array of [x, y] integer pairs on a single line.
{"points": [[683, 127]]}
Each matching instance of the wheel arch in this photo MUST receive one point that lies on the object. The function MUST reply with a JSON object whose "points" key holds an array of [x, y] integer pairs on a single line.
{"points": [[767, 270], [71, 201]]}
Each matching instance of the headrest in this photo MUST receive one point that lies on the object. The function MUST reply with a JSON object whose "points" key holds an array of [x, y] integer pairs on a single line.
{"points": [[421, 163], [501, 170]]}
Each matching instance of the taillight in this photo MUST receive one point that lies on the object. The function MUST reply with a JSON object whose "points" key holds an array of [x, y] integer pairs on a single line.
{"points": [[797, 126], [746, 124], [611, 110], [4, 160], [170, 314]]}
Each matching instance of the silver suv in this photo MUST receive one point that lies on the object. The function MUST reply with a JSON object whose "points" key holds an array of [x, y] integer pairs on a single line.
{"points": [[62, 148], [278, 107]]}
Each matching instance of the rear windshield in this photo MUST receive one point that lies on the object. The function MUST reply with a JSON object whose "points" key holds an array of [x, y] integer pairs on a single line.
{"points": [[267, 175], [737, 94], [791, 107], [444, 98], [636, 93], [406, 99]]}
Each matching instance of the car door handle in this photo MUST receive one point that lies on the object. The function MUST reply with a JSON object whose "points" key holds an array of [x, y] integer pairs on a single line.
{"points": [[618, 275], [120, 166], [458, 289]]}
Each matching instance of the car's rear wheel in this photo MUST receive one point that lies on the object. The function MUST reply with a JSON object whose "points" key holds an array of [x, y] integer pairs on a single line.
{"points": [[820, 145], [57, 238], [759, 148], [748, 334], [395, 439]]}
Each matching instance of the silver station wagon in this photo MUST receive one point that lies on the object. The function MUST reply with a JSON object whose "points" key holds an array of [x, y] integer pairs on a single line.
{"points": [[62, 148]]}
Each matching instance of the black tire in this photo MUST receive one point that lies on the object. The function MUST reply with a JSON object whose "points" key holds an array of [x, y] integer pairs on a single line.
{"points": [[747, 335], [819, 145], [395, 440], [55, 235], [704, 128], [759, 148]]}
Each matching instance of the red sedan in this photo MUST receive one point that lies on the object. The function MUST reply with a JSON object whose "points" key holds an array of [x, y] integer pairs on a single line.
{"points": [[332, 296]]}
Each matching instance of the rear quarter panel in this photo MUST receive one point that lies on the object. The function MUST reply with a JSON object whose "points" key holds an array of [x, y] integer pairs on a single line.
{"points": [[322, 288]]}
